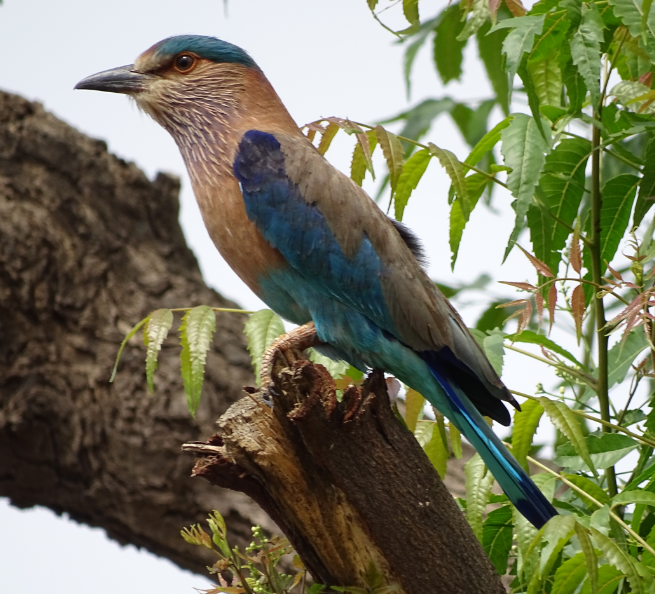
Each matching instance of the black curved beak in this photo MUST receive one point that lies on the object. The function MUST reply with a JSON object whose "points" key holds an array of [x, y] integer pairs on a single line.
{"points": [[124, 80]]}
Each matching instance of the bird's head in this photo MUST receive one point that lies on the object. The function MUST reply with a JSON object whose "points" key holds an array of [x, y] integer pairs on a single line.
{"points": [[186, 83]]}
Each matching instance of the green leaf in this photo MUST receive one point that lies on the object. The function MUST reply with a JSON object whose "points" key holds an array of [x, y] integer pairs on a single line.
{"points": [[487, 142], [410, 177], [635, 496], [570, 575], [490, 51], [547, 484], [533, 98], [646, 556], [564, 420], [472, 123], [494, 347], [637, 575], [360, 163], [327, 137], [604, 451], [497, 536], [196, 332], [559, 195], [525, 535], [526, 422], [618, 195], [455, 440], [410, 53], [478, 14], [576, 90], [127, 338], [336, 369], [455, 171], [154, 334], [547, 79], [623, 353], [448, 50], [609, 579], [414, 403], [261, 328], [393, 153], [476, 184], [437, 451], [556, 533], [524, 150], [418, 119], [585, 49], [646, 197], [591, 556], [530, 337], [629, 91], [410, 10], [478, 487], [518, 41], [589, 487], [630, 14]]}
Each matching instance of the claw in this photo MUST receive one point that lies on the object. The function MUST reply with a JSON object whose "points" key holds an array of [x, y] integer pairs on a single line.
{"points": [[288, 346]]}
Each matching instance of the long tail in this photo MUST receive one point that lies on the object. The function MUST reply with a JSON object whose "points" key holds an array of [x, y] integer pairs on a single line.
{"points": [[516, 483]]}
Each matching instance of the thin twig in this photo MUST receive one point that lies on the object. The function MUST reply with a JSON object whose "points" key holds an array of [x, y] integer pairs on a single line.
{"points": [[618, 428]]}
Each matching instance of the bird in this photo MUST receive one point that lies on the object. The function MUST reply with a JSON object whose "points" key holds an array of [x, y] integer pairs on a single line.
{"points": [[312, 244]]}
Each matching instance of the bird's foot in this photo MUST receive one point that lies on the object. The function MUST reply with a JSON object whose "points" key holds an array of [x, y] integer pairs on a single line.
{"points": [[288, 346]]}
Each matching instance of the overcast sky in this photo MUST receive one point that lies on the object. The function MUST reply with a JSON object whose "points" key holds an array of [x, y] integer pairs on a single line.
{"points": [[324, 58]]}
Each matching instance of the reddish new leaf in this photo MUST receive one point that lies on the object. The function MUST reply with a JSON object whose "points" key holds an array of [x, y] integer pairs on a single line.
{"points": [[539, 301], [515, 7], [546, 353], [540, 266], [577, 305], [615, 274], [512, 303], [494, 5], [576, 258], [552, 302], [523, 286], [526, 315]]}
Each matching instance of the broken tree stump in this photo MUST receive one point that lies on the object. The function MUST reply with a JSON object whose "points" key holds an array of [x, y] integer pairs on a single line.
{"points": [[346, 482]]}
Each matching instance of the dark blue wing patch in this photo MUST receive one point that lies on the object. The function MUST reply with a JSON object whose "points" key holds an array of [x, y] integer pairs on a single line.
{"points": [[301, 233]]}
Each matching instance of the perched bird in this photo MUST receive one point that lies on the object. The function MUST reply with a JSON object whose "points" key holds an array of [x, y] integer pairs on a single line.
{"points": [[310, 242]]}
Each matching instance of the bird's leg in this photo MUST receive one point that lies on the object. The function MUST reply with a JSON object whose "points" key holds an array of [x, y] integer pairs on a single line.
{"points": [[289, 346]]}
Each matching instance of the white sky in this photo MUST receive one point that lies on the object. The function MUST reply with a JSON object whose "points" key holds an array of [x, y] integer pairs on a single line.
{"points": [[324, 59]]}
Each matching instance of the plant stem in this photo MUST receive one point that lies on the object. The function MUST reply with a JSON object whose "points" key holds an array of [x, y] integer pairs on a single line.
{"points": [[586, 495], [602, 388], [610, 426], [579, 375]]}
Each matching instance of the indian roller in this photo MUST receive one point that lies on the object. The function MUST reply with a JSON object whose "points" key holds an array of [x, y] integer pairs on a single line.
{"points": [[312, 244]]}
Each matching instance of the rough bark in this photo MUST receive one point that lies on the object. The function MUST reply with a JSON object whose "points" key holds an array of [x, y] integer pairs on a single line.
{"points": [[347, 483], [88, 247]]}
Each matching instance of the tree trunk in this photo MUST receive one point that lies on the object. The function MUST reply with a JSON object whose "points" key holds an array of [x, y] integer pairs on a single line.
{"points": [[88, 247], [347, 483]]}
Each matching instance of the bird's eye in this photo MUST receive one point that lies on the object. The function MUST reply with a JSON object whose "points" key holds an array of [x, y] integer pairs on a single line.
{"points": [[184, 63]]}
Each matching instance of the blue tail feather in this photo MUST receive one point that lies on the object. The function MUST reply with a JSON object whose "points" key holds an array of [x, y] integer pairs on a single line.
{"points": [[514, 481]]}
